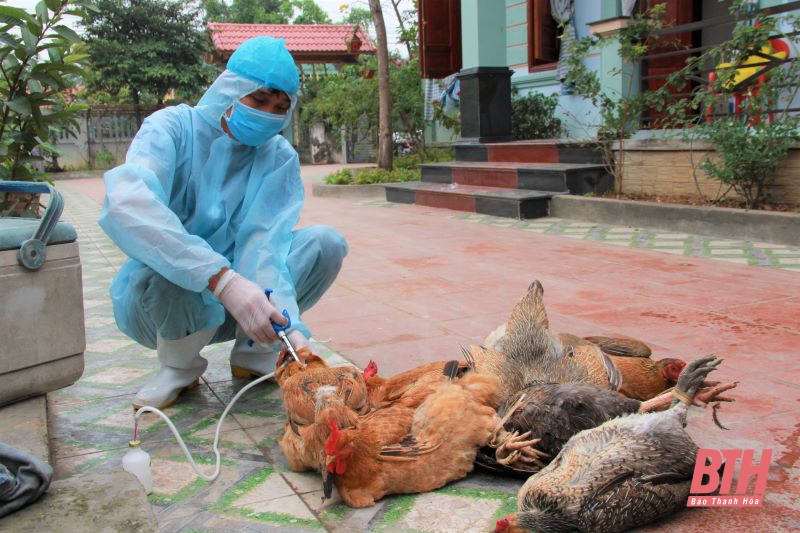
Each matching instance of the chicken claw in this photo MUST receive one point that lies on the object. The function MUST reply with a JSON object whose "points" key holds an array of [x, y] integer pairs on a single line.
{"points": [[519, 450], [709, 395]]}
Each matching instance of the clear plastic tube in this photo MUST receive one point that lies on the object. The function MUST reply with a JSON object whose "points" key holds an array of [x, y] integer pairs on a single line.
{"points": [[148, 409]]}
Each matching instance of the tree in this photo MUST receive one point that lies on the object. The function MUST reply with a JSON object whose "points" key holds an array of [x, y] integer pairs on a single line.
{"points": [[385, 144], [407, 104], [357, 15], [407, 21], [146, 46], [215, 11], [40, 59], [332, 99], [265, 12], [260, 11], [309, 13]]}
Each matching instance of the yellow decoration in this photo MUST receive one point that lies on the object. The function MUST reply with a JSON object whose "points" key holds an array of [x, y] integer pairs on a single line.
{"points": [[744, 73]]}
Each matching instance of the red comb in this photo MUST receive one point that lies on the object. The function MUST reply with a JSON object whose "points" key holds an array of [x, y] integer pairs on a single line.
{"points": [[330, 444], [371, 370], [502, 525]]}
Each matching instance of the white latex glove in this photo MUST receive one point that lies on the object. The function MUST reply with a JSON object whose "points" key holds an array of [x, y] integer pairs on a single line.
{"points": [[297, 339], [251, 308]]}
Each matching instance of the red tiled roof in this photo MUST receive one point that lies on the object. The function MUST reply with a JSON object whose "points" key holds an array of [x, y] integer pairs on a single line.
{"points": [[299, 37]]}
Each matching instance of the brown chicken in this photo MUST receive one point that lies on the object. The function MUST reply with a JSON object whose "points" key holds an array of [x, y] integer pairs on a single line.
{"points": [[384, 391], [286, 366], [642, 377], [401, 449], [302, 440], [626, 473], [524, 351]]}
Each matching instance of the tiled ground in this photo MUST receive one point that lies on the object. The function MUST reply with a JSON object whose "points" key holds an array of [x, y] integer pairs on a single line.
{"points": [[419, 282], [91, 423]]}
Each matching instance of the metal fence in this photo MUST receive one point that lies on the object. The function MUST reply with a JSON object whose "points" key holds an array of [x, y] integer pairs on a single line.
{"points": [[687, 41], [104, 137]]}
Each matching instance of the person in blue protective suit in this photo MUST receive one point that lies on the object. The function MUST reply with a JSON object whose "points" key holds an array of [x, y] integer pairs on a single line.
{"points": [[205, 207]]}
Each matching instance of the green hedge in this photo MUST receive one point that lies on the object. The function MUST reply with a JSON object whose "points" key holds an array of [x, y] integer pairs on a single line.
{"points": [[406, 168]]}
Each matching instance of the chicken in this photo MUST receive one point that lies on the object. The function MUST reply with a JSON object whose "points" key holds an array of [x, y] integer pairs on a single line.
{"points": [[302, 382], [384, 391], [524, 350], [625, 473], [527, 352], [642, 378], [286, 366], [547, 415], [302, 440], [401, 449], [303, 445]]}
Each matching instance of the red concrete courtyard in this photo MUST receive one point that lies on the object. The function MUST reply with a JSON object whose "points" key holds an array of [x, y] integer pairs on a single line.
{"points": [[419, 282]]}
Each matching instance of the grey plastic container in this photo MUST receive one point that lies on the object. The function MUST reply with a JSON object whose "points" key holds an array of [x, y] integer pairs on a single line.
{"points": [[42, 332]]}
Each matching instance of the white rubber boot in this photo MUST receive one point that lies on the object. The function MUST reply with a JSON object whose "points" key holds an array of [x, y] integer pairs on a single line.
{"points": [[252, 361], [181, 368]]}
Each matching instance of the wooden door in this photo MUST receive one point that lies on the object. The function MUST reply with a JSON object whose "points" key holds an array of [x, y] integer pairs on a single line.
{"points": [[440, 37]]}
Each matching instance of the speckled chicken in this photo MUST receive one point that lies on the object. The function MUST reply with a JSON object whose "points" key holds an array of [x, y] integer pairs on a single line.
{"points": [[628, 472], [524, 350], [547, 415], [532, 353]]}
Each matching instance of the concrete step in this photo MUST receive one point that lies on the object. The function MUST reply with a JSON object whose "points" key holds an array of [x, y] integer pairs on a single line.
{"points": [[497, 201], [575, 178], [94, 501], [539, 151]]}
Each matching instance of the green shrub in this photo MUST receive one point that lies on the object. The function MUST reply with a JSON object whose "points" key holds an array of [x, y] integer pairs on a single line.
{"points": [[373, 175], [41, 59], [439, 155], [340, 177], [533, 117], [405, 174], [407, 161], [749, 153], [104, 160], [380, 175]]}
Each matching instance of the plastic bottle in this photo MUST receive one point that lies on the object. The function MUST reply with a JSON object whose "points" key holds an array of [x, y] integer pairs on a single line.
{"points": [[137, 462]]}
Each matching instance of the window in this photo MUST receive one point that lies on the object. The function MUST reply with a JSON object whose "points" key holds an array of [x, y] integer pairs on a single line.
{"points": [[440, 37], [543, 42]]}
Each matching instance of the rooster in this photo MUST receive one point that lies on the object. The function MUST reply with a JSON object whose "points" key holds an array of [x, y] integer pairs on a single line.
{"points": [[405, 449], [625, 473], [642, 378], [524, 351], [302, 440]]}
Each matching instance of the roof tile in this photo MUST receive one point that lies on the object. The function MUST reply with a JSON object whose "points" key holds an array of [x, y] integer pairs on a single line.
{"points": [[227, 36]]}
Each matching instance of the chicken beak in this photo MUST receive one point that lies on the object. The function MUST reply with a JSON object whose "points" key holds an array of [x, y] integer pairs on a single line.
{"points": [[327, 484]]}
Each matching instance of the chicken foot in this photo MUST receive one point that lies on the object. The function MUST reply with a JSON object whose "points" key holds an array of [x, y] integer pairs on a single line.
{"points": [[519, 450], [712, 394]]}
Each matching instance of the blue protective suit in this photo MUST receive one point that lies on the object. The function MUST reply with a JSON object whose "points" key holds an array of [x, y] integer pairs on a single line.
{"points": [[189, 200]]}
